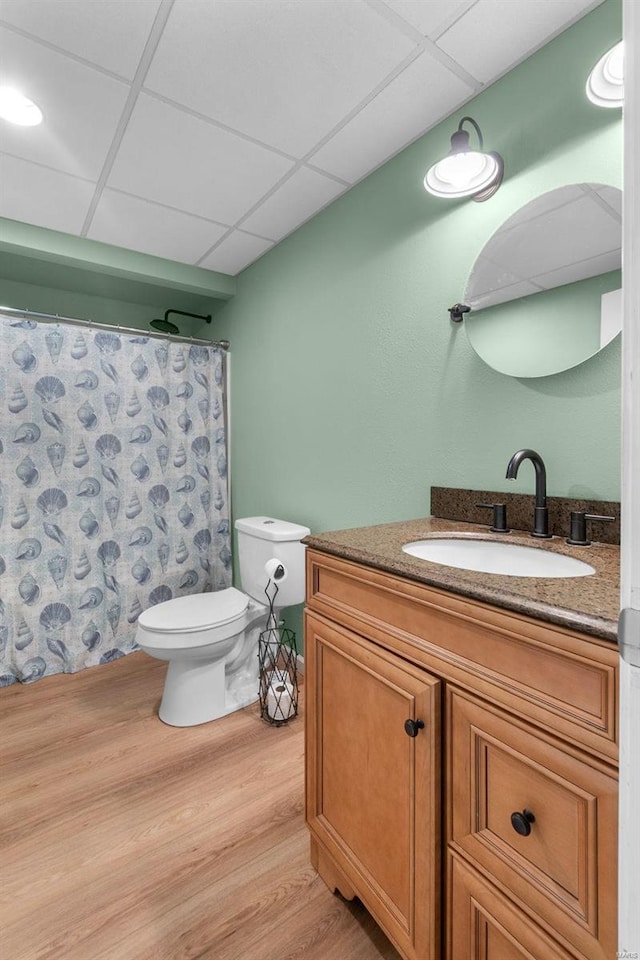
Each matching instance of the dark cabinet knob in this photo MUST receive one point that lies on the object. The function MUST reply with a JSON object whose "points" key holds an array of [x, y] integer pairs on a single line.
{"points": [[521, 822], [411, 727]]}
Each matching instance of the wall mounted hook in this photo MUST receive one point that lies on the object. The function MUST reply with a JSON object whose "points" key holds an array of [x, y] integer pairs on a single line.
{"points": [[457, 312]]}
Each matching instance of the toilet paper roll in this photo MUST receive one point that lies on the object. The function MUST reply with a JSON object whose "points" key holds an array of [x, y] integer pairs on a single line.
{"points": [[276, 570], [276, 676], [280, 704]]}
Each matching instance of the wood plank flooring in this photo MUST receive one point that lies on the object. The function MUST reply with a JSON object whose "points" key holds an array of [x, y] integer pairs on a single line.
{"points": [[124, 839]]}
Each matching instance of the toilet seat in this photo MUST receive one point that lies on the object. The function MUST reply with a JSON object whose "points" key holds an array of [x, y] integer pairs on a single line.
{"points": [[195, 613]]}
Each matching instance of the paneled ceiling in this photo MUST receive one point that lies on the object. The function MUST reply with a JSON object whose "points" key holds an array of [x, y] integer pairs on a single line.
{"points": [[205, 131]]}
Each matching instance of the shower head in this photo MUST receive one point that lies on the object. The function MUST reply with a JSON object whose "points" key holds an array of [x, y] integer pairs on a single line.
{"points": [[166, 326]]}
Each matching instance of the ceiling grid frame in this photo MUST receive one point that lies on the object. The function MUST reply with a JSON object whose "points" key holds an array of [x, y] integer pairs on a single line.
{"points": [[279, 218], [159, 23]]}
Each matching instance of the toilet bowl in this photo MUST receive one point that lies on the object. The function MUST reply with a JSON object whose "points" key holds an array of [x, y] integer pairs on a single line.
{"points": [[211, 643], [211, 639]]}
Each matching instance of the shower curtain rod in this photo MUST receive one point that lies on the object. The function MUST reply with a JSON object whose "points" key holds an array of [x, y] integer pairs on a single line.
{"points": [[115, 328]]}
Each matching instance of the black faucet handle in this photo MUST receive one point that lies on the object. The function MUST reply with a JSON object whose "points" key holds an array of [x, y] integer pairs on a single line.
{"points": [[499, 516], [578, 527]]}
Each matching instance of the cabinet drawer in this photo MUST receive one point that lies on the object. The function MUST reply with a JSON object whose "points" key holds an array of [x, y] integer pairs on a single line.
{"points": [[557, 678], [484, 925], [564, 870]]}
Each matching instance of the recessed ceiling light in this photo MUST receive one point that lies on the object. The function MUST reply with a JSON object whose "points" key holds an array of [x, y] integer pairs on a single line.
{"points": [[605, 86], [16, 108]]}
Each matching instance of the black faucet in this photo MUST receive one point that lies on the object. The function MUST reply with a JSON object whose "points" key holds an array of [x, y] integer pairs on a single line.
{"points": [[541, 513]]}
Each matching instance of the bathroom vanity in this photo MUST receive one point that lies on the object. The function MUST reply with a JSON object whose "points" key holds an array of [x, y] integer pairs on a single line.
{"points": [[461, 740]]}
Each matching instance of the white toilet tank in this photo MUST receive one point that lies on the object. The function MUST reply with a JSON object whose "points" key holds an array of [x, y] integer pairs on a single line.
{"points": [[261, 539]]}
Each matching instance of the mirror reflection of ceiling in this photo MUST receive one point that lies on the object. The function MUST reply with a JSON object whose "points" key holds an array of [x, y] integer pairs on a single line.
{"points": [[566, 235]]}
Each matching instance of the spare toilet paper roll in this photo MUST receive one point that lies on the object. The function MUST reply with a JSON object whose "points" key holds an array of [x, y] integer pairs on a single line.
{"points": [[280, 701], [276, 570], [276, 676]]}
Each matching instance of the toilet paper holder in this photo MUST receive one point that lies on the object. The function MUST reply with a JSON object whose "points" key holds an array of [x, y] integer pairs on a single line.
{"points": [[277, 659], [277, 656]]}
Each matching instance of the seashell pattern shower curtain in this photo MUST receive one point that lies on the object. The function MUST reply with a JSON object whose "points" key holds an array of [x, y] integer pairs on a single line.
{"points": [[113, 489]]}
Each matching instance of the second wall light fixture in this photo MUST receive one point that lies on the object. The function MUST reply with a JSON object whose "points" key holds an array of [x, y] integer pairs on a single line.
{"points": [[465, 172], [605, 86]]}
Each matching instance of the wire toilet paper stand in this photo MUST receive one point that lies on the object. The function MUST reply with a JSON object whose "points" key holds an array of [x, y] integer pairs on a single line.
{"points": [[278, 667]]}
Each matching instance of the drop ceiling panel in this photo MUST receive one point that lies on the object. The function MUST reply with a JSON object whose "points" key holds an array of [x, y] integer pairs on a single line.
{"points": [[81, 107], [494, 35], [174, 158], [235, 253], [545, 204], [550, 242], [612, 196], [41, 196], [488, 276], [593, 267], [111, 33], [503, 294], [284, 72], [140, 225], [302, 195], [414, 101], [430, 17], [243, 90]]}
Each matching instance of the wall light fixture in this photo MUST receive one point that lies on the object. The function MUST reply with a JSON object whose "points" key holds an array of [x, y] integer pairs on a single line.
{"points": [[605, 86], [465, 172]]}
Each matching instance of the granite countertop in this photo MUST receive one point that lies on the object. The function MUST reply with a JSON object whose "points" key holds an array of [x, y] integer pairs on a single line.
{"points": [[589, 604]]}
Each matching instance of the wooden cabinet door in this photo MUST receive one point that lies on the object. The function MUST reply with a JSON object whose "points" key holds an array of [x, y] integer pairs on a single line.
{"points": [[484, 925], [372, 790]]}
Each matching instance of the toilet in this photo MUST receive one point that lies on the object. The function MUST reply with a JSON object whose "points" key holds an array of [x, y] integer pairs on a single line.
{"points": [[211, 639]]}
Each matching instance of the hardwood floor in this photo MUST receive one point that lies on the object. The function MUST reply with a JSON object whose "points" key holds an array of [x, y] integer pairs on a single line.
{"points": [[125, 839]]}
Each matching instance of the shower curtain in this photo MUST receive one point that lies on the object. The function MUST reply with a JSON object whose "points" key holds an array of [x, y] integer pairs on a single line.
{"points": [[113, 489]]}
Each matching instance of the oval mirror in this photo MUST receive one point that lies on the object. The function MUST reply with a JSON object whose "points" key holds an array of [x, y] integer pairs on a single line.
{"points": [[544, 291]]}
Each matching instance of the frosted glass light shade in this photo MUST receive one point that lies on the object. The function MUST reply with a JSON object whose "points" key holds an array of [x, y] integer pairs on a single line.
{"points": [[605, 86], [465, 172], [462, 174], [17, 108]]}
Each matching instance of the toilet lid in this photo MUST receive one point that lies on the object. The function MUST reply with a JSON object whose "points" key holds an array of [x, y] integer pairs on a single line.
{"points": [[195, 612]]}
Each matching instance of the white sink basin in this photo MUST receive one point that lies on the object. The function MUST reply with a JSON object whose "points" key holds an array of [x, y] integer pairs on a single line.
{"points": [[490, 556]]}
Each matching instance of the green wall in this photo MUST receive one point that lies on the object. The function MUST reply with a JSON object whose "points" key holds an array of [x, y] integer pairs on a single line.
{"points": [[352, 393], [113, 309], [53, 272], [82, 292]]}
